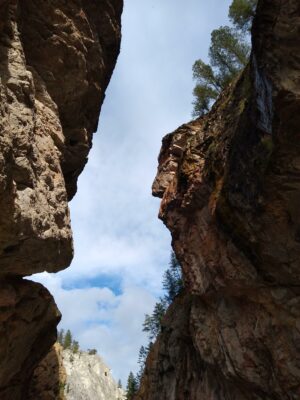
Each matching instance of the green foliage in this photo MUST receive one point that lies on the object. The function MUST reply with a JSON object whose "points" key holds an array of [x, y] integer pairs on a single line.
{"points": [[172, 280], [143, 353], [60, 337], [228, 54], [75, 346], [241, 13], [92, 352], [172, 285], [152, 323], [67, 342], [120, 384], [132, 387]]}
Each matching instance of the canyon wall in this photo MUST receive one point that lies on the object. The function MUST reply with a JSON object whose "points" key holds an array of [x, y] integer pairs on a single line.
{"points": [[67, 375], [56, 60], [230, 189]]}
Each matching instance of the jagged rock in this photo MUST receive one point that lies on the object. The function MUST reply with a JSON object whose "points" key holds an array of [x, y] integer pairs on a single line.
{"points": [[89, 378], [65, 375], [49, 378], [56, 60], [230, 198], [28, 321]]}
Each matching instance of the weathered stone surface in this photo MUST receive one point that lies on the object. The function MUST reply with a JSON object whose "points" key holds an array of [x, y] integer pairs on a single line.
{"points": [[89, 378], [230, 188], [56, 60], [49, 378], [65, 375], [28, 321]]}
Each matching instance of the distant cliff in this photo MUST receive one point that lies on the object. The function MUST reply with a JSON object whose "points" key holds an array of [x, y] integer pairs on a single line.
{"points": [[56, 60], [65, 375], [230, 189], [89, 378]]}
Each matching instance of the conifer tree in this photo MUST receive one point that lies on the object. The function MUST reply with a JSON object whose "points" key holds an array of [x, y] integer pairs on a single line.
{"points": [[152, 323], [75, 346], [67, 340], [241, 13], [60, 337], [228, 55], [131, 387], [172, 280]]}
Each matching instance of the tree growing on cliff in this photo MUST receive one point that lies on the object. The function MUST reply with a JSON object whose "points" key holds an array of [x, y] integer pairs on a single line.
{"points": [[228, 54], [172, 285], [241, 13], [172, 280], [131, 387], [60, 337], [67, 340]]}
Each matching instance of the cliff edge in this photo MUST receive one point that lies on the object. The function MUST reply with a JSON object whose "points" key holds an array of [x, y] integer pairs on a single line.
{"points": [[56, 60], [230, 189]]}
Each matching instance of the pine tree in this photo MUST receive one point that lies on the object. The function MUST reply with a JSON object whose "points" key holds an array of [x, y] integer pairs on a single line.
{"points": [[172, 280], [60, 337], [119, 384], [241, 13], [228, 55], [143, 352], [132, 387], [152, 323], [67, 340], [75, 346]]}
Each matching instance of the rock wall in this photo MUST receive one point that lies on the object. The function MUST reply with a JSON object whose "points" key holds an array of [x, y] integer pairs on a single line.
{"points": [[65, 375], [56, 59], [230, 189], [89, 378]]}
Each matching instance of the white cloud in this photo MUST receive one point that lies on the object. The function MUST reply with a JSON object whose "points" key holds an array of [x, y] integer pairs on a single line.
{"points": [[114, 217], [100, 319]]}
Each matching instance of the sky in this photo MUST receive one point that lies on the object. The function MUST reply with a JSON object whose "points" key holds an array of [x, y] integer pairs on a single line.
{"points": [[121, 248]]}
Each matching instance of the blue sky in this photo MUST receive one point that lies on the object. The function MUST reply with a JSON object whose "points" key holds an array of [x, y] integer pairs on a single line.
{"points": [[121, 248]]}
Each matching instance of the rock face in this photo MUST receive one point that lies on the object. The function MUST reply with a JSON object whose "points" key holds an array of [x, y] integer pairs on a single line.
{"points": [[65, 375], [88, 378], [230, 188], [56, 59], [49, 378]]}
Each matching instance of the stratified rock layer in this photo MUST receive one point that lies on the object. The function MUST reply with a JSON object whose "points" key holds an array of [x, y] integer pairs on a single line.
{"points": [[56, 59], [230, 188]]}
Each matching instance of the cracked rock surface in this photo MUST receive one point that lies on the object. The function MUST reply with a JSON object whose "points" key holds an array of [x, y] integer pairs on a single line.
{"points": [[56, 60], [230, 189]]}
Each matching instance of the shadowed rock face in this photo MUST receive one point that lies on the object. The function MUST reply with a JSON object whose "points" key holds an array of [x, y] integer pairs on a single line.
{"points": [[230, 189], [56, 59]]}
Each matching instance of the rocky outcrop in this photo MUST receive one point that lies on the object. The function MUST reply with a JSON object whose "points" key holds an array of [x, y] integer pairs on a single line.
{"points": [[56, 59], [89, 378], [230, 188], [65, 375], [49, 378]]}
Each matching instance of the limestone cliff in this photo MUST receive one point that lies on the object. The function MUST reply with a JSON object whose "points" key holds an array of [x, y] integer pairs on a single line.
{"points": [[89, 378], [56, 59], [65, 375], [230, 189]]}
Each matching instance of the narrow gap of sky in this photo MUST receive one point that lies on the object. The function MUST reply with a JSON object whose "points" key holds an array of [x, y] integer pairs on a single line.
{"points": [[121, 248]]}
